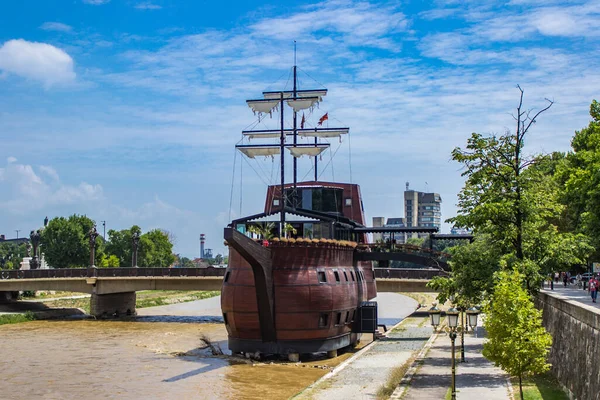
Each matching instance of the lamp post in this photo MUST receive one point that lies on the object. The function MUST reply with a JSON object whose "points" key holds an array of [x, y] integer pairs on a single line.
{"points": [[462, 334], [472, 314], [434, 315], [452, 315], [135, 240]]}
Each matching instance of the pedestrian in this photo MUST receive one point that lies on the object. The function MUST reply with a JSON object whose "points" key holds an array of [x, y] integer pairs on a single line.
{"points": [[565, 278], [593, 283], [578, 279]]}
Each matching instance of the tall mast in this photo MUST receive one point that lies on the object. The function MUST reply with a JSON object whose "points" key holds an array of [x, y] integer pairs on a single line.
{"points": [[295, 130], [282, 146]]}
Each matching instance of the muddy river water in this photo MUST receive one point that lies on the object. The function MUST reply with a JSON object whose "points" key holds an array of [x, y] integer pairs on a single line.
{"points": [[155, 356]]}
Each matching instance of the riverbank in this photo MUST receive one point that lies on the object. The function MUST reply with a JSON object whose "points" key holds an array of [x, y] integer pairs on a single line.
{"points": [[49, 307]]}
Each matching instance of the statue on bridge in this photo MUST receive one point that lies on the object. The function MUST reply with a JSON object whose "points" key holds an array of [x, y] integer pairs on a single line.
{"points": [[35, 237], [93, 235], [135, 240]]}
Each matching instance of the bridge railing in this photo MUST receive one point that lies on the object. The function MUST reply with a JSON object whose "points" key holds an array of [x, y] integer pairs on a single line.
{"points": [[108, 272], [404, 248], [408, 273]]}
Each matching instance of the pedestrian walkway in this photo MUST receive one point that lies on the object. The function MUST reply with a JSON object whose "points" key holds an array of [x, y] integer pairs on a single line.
{"points": [[571, 292], [477, 378]]}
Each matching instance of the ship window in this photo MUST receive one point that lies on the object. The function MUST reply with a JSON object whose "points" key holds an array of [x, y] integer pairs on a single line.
{"points": [[347, 316], [227, 276], [348, 202], [276, 202], [322, 276], [352, 275], [338, 318], [337, 276], [346, 276], [225, 318], [353, 314], [323, 320]]}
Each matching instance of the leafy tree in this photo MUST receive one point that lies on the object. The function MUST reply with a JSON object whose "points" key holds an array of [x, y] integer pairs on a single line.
{"points": [[111, 261], [513, 202], [65, 242], [11, 255], [518, 343], [186, 262], [156, 251], [218, 259], [416, 241], [579, 174], [121, 245]]}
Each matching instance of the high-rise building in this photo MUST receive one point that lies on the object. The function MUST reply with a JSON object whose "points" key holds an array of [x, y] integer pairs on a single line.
{"points": [[422, 210], [398, 237]]}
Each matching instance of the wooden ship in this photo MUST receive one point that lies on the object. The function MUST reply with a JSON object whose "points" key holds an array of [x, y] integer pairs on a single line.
{"points": [[301, 291]]}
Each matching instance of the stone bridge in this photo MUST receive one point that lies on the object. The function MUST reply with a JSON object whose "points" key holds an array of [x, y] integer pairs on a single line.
{"points": [[113, 289]]}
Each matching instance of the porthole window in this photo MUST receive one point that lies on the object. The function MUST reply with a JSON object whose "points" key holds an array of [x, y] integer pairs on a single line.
{"points": [[322, 276], [276, 202], [227, 276], [338, 318], [352, 275], [323, 320], [337, 276], [346, 276], [225, 318], [347, 316]]}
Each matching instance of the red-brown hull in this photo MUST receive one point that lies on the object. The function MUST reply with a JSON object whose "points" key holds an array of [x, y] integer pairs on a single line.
{"points": [[310, 315]]}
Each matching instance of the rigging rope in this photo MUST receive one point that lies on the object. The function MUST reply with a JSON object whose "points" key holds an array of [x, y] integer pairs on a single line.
{"points": [[232, 181], [241, 187]]}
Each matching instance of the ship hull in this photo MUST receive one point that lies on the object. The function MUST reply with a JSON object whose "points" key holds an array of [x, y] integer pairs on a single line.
{"points": [[316, 291]]}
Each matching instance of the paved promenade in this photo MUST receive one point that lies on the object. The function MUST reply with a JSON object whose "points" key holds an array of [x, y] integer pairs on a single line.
{"points": [[477, 378], [573, 293]]}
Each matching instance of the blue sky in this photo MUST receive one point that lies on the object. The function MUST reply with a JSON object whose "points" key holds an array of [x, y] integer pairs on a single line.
{"points": [[128, 111]]}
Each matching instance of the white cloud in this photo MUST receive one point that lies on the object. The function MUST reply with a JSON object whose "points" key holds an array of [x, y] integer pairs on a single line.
{"points": [[37, 61], [56, 26], [23, 190], [95, 2], [11, 160], [51, 172], [147, 6]]}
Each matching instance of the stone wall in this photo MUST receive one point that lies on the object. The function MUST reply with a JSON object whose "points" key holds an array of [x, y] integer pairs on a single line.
{"points": [[575, 353]]}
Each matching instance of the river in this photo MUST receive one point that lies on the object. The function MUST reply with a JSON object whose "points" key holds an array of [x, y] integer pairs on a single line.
{"points": [[157, 355]]}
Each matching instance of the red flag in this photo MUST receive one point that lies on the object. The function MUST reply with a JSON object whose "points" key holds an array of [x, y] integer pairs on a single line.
{"points": [[323, 119], [302, 122]]}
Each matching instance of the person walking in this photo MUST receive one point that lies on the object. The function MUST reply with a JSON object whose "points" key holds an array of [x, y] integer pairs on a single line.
{"points": [[593, 284], [565, 279]]}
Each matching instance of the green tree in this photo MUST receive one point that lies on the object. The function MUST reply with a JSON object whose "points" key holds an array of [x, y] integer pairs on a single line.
{"points": [[65, 242], [11, 254], [186, 263], [579, 175], [156, 250], [111, 261], [518, 343], [218, 258], [121, 245], [513, 203]]}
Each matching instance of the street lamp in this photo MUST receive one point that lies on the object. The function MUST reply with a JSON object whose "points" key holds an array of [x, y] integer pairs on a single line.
{"points": [[472, 314], [434, 315], [452, 315]]}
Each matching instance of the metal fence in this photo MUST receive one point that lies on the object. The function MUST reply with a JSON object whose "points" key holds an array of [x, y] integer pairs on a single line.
{"points": [[109, 272]]}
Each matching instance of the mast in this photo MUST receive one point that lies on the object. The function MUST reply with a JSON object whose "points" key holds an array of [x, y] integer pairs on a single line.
{"points": [[282, 145], [295, 129]]}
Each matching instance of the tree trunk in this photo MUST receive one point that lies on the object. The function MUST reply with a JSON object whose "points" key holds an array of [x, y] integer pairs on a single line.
{"points": [[521, 387]]}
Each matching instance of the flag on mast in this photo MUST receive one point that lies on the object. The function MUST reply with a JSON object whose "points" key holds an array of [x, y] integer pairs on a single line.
{"points": [[323, 119], [302, 122]]}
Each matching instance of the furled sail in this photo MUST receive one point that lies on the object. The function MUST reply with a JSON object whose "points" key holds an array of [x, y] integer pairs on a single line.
{"points": [[262, 106], [311, 151], [304, 103], [260, 151], [323, 133], [262, 134]]}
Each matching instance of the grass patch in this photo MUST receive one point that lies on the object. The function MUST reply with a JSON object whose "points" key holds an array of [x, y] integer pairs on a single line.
{"points": [[16, 318], [394, 378], [539, 387], [448, 394], [144, 299]]}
